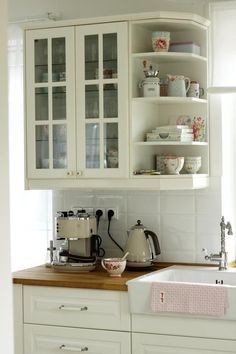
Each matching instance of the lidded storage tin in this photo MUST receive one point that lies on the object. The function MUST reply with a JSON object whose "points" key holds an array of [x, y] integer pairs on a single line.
{"points": [[151, 84]]}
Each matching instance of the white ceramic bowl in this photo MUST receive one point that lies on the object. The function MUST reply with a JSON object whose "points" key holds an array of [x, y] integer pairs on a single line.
{"points": [[114, 266], [192, 164], [173, 165]]}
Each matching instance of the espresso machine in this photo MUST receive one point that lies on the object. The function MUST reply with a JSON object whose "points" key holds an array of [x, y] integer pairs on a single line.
{"points": [[81, 244]]}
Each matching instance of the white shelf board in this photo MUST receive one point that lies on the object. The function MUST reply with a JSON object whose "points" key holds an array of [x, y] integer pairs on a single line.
{"points": [[169, 100], [153, 143], [169, 57], [160, 182]]}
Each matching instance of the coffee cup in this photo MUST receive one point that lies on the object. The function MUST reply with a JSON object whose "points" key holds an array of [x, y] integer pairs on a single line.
{"points": [[114, 266]]}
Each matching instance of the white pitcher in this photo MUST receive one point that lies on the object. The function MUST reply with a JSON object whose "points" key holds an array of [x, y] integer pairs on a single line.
{"points": [[178, 85]]}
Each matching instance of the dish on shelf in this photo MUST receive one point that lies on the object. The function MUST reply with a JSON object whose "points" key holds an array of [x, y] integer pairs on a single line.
{"points": [[197, 123], [146, 172]]}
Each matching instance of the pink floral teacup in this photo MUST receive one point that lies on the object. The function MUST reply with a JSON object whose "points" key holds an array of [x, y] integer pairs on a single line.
{"points": [[114, 266]]}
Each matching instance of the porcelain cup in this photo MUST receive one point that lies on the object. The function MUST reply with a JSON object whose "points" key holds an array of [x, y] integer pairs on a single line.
{"points": [[114, 266], [173, 165]]}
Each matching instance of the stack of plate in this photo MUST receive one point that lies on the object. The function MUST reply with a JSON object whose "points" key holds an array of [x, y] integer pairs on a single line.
{"points": [[171, 133]]}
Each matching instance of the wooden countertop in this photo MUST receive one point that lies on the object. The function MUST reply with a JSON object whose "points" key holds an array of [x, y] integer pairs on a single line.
{"points": [[96, 279]]}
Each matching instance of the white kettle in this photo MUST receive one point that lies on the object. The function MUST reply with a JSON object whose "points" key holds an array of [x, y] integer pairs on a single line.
{"points": [[142, 245]]}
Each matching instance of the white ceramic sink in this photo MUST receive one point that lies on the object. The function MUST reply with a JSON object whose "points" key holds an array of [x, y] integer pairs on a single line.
{"points": [[139, 289]]}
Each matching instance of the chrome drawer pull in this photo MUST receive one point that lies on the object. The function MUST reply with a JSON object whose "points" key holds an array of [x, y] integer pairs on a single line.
{"points": [[73, 349], [73, 308]]}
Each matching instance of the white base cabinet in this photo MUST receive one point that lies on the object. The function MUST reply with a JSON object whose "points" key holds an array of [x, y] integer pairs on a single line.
{"points": [[161, 344], [53, 320], [57, 340]]}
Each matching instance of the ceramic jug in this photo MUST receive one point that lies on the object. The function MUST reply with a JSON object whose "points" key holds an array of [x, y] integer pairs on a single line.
{"points": [[178, 85]]}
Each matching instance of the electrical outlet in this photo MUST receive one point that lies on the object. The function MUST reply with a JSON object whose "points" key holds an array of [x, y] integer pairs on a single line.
{"points": [[115, 210], [103, 211], [88, 210]]}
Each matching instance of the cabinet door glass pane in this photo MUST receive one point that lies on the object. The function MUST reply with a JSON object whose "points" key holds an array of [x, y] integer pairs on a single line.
{"points": [[92, 146], [58, 59], [111, 157], [41, 103], [91, 57], [59, 146], [110, 101], [42, 146], [109, 55], [59, 102], [91, 101], [41, 60]]}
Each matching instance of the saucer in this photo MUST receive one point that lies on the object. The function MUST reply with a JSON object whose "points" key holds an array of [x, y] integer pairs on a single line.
{"points": [[139, 264]]}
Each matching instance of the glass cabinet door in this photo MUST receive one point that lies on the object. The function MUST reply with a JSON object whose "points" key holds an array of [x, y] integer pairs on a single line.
{"points": [[50, 99], [102, 100]]}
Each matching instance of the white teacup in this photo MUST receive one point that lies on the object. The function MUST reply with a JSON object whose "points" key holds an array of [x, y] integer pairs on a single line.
{"points": [[114, 266], [173, 165]]}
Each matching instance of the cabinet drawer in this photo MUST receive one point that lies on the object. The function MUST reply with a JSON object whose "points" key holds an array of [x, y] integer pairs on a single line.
{"points": [[102, 309], [57, 340], [159, 344]]}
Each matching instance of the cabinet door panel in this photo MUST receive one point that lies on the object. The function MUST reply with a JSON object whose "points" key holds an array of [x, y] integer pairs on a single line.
{"points": [[50, 90], [102, 100], [160, 344], [56, 340]]}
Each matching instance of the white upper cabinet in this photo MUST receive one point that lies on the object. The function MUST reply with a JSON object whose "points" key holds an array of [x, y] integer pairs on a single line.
{"points": [[89, 122], [77, 109], [102, 100]]}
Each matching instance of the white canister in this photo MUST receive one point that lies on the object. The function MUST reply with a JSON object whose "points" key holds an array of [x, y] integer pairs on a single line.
{"points": [[150, 87]]}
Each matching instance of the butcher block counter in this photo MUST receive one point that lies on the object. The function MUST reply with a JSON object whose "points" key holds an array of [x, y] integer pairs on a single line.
{"points": [[96, 279]]}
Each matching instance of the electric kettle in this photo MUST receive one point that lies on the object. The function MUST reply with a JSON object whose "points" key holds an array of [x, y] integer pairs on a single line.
{"points": [[142, 245]]}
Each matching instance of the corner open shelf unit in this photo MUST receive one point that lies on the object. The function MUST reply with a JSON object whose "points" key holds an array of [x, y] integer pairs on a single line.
{"points": [[147, 113]]}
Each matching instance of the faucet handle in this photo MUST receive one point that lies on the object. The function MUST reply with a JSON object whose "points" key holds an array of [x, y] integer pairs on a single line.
{"points": [[207, 257]]}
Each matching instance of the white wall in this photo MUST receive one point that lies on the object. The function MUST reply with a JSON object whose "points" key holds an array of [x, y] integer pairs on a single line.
{"points": [[6, 336]]}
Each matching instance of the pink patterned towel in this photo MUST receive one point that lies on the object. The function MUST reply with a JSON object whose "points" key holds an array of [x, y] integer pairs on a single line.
{"points": [[201, 299]]}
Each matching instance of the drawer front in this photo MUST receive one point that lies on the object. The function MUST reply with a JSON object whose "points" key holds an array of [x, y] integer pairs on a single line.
{"points": [[159, 344], [57, 340], [100, 309]]}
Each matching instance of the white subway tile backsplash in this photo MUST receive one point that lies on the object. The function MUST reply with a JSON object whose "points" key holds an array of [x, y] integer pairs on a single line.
{"points": [[208, 205], [176, 256], [185, 221], [182, 204], [208, 224], [143, 203]]}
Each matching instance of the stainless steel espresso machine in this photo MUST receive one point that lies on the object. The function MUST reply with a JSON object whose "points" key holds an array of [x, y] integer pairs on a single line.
{"points": [[81, 243]]}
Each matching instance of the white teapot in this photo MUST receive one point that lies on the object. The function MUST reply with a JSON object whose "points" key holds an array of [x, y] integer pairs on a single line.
{"points": [[178, 85]]}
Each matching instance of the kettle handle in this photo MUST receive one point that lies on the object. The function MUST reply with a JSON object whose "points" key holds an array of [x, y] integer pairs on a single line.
{"points": [[155, 241]]}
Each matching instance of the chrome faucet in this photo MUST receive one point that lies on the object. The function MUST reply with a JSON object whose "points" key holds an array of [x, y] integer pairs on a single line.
{"points": [[221, 257]]}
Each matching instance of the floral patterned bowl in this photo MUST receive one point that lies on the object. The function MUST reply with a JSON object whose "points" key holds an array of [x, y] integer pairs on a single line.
{"points": [[114, 266]]}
